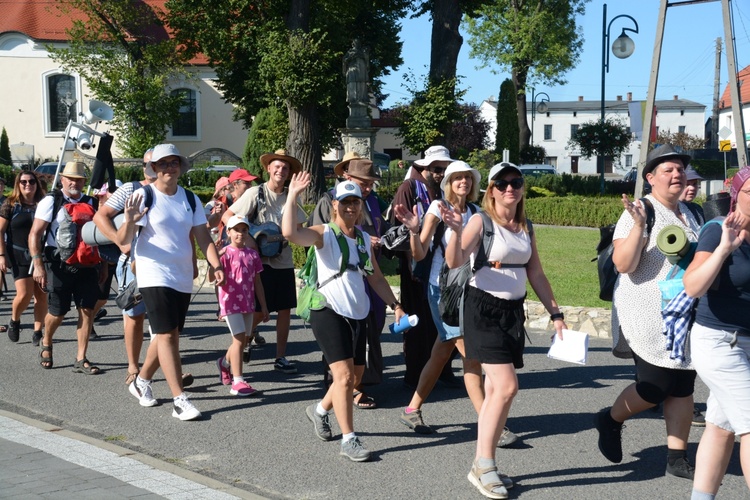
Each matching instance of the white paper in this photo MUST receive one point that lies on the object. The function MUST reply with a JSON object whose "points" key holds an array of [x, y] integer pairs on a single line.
{"points": [[573, 348]]}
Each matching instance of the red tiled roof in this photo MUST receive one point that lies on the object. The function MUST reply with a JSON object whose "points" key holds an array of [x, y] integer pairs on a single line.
{"points": [[43, 21], [744, 79]]}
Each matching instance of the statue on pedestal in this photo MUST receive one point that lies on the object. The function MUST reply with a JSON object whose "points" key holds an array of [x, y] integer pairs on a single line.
{"points": [[355, 69]]}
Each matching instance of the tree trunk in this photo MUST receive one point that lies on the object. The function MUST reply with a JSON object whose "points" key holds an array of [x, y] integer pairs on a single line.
{"points": [[524, 132], [304, 144], [445, 46]]}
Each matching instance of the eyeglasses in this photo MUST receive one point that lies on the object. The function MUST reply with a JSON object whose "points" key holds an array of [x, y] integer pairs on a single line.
{"points": [[30, 182], [502, 184], [167, 164]]}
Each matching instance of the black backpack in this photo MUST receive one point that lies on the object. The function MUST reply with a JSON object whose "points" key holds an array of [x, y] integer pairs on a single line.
{"points": [[607, 271]]}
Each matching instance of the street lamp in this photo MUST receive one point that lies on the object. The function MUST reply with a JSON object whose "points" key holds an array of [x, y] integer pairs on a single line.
{"points": [[623, 47], [541, 107]]}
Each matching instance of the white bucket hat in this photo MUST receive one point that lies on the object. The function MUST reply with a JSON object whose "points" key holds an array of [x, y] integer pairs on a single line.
{"points": [[460, 166], [162, 151], [433, 154]]}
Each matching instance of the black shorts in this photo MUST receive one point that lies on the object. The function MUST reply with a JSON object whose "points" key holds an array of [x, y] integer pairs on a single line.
{"points": [[339, 338], [654, 384], [106, 288], [280, 289], [166, 308], [66, 283], [493, 328], [20, 262]]}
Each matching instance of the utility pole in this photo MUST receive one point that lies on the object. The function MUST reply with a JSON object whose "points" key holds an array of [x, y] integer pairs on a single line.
{"points": [[734, 88], [713, 141]]}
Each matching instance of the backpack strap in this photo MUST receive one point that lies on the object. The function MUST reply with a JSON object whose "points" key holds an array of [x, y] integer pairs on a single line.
{"points": [[437, 238], [364, 266], [57, 196], [488, 234], [650, 214], [148, 198]]}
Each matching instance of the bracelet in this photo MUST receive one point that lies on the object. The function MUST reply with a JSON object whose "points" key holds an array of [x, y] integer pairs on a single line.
{"points": [[219, 268], [556, 316], [413, 233], [37, 256]]}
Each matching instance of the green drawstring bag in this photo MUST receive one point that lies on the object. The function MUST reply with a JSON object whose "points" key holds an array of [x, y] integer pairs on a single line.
{"points": [[309, 298]]}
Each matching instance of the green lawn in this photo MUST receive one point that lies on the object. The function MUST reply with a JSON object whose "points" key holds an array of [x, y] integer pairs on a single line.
{"points": [[566, 255]]}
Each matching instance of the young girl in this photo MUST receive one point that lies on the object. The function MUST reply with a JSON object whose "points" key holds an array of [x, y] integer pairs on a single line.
{"points": [[242, 284]]}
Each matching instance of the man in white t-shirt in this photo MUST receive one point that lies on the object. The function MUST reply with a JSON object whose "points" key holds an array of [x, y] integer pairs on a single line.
{"points": [[265, 203], [166, 222], [64, 282]]}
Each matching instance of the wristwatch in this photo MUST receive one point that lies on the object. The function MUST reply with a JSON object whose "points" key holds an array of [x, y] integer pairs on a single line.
{"points": [[557, 316]]}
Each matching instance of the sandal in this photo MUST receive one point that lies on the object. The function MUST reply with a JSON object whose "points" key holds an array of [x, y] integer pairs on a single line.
{"points": [[497, 490], [46, 361], [258, 338], [364, 402], [131, 377], [85, 366]]}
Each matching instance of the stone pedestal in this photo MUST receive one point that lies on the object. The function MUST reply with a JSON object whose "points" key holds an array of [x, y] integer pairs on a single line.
{"points": [[360, 140]]}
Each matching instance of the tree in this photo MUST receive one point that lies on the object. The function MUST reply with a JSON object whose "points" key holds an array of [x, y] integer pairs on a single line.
{"points": [[507, 121], [469, 133], [289, 53], [5, 158], [421, 123], [686, 141], [128, 59], [537, 40], [268, 131]]}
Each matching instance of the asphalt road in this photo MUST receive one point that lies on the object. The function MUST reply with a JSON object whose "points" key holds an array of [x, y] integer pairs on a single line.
{"points": [[266, 445]]}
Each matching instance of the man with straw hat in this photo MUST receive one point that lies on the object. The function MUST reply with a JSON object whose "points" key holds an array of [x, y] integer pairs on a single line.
{"points": [[64, 283], [264, 204], [364, 174]]}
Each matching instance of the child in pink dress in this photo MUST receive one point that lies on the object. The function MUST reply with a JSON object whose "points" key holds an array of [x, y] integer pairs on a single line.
{"points": [[242, 267]]}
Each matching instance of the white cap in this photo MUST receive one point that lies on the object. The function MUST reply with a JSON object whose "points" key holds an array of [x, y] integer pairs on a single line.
{"points": [[162, 151], [236, 220]]}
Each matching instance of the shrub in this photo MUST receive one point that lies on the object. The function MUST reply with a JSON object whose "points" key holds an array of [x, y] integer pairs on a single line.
{"points": [[574, 210]]}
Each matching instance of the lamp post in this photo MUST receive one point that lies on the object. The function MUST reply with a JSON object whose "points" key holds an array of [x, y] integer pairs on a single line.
{"points": [[541, 107], [623, 47]]}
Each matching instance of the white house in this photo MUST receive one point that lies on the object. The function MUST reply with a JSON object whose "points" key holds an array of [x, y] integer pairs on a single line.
{"points": [[553, 128], [725, 105]]}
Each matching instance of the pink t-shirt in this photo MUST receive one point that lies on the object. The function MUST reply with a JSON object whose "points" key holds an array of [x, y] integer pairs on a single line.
{"points": [[237, 294]]}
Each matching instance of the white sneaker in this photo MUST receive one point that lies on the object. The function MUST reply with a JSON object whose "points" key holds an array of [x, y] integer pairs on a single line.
{"points": [[184, 409], [144, 395]]}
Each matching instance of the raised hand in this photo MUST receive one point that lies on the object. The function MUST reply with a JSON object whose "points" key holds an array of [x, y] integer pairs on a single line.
{"points": [[299, 183], [132, 205], [452, 218], [732, 234], [636, 210], [408, 218]]}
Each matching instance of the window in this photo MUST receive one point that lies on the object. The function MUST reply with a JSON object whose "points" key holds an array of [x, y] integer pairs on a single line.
{"points": [[186, 124], [628, 161], [548, 132], [573, 130], [681, 129], [61, 106]]}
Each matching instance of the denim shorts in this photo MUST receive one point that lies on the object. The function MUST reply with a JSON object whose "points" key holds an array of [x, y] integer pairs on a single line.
{"points": [[725, 369], [445, 332]]}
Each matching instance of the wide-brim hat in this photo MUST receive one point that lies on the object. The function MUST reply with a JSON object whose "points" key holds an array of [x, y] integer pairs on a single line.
{"points": [[280, 154], [340, 167], [662, 154], [346, 189], [242, 175], [433, 154], [501, 168], [460, 166], [363, 169], [162, 151], [74, 170]]}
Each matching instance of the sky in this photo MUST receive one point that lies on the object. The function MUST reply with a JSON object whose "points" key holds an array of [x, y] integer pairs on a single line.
{"points": [[687, 60]]}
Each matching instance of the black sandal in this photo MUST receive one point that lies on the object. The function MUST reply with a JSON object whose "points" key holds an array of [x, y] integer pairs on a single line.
{"points": [[46, 362], [80, 366]]}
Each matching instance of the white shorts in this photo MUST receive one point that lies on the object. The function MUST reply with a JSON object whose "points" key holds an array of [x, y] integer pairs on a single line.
{"points": [[239, 323], [726, 372]]}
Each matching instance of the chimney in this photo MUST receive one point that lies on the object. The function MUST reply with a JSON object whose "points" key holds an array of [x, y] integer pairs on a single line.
{"points": [[619, 98], [630, 96], [580, 98], [676, 98]]}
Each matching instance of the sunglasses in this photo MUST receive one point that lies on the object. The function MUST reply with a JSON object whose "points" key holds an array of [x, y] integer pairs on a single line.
{"points": [[30, 182], [502, 184], [437, 170]]}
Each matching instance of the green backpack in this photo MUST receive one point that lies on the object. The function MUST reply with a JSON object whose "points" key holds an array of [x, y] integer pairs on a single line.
{"points": [[309, 298]]}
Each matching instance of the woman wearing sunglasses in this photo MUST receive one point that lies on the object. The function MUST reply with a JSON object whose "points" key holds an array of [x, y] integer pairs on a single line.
{"points": [[16, 218], [493, 314]]}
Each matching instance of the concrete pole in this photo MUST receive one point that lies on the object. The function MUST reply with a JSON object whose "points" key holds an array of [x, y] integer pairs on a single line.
{"points": [[713, 143], [737, 122]]}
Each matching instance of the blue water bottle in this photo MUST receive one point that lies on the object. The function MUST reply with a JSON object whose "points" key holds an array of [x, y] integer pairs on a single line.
{"points": [[405, 324]]}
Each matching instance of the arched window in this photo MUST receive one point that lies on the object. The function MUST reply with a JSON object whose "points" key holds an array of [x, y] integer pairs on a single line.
{"points": [[61, 101], [186, 124]]}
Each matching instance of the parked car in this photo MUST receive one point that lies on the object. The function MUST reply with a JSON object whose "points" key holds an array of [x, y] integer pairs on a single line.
{"points": [[48, 168], [537, 170], [632, 176], [200, 173]]}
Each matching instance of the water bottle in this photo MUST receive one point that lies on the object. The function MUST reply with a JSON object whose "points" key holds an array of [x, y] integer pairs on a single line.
{"points": [[405, 324]]}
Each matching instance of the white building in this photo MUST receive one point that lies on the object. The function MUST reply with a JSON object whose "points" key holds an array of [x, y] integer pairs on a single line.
{"points": [[725, 105], [553, 128]]}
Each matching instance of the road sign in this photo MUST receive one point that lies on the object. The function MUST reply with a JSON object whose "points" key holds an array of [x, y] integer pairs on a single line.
{"points": [[725, 145], [725, 132]]}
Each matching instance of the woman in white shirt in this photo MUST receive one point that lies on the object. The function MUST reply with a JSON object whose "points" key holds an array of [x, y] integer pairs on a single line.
{"points": [[339, 328]]}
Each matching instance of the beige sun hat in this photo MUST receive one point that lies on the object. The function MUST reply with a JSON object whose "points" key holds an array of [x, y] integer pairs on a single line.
{"points": [[280, 154], [74, 170], [341, 166]]}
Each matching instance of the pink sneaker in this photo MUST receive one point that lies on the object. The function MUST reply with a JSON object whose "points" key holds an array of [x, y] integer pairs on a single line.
{"points": [[242, 388], [224, 376]]}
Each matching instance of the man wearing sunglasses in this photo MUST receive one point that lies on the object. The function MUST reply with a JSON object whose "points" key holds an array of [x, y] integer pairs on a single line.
{"points": [[421, 186]]}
